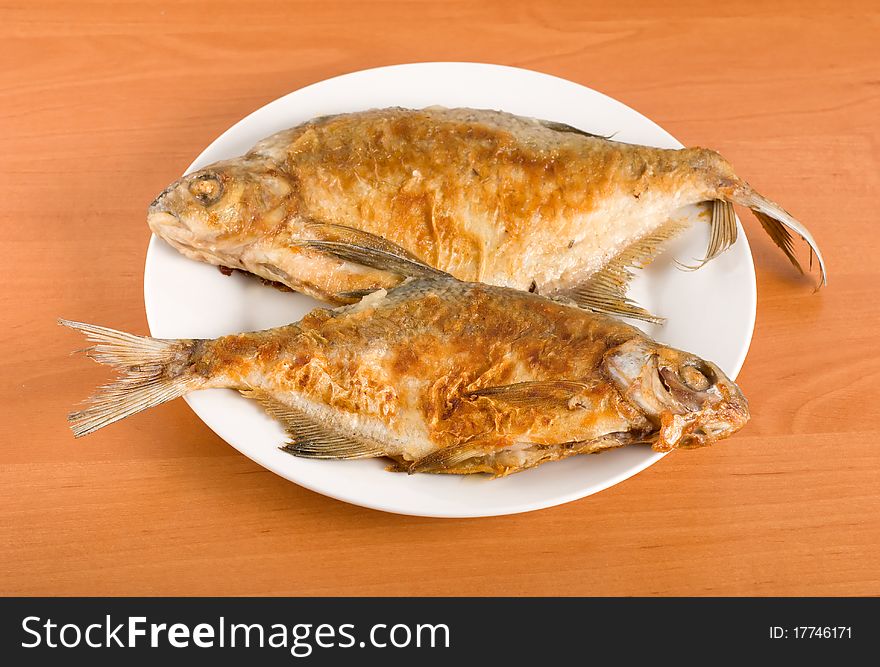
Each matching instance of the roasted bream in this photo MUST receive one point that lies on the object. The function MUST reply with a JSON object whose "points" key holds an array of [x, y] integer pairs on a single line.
{"points": [[485, 196], [439, 376]]}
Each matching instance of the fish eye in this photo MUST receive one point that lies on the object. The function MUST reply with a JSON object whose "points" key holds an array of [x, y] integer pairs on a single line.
{"points": [[696, 378], [207, 188]]}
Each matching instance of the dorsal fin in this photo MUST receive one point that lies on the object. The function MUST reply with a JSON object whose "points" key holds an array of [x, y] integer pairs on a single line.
{"points": [[360, 247], [308, 438], [605, 292], [565, 127]]}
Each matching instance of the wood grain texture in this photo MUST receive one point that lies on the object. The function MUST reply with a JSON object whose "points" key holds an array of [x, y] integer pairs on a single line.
{"points": [[103, 103]]}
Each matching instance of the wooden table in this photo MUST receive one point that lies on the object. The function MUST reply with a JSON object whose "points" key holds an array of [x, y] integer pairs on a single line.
{"points": [[103, 103]]}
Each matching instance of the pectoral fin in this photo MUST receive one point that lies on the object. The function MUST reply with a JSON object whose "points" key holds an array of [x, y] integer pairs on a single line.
{"points": [[532, 393], [605, 292], [308, 438], [326, 231], [360, 247]]}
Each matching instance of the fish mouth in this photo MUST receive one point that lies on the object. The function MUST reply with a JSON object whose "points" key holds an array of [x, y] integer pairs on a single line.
{"points": [[690, 401], [708, 416], [169, 227], [703, 428], [173, 230], [161, 221]]}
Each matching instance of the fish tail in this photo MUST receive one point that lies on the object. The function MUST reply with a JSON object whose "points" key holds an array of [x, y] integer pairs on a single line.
{"points": [[152, 371], [779, 225]]}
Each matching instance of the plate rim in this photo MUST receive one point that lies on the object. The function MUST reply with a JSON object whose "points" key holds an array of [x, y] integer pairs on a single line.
{"points": [[591, 489]]}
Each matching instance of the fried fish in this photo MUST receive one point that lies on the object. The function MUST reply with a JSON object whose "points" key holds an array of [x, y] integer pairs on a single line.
{"points": [[483, 195], [438, 376]]}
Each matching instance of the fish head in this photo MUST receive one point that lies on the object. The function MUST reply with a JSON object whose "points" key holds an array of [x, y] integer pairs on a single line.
{"points": [[691, 400], [214, 213]]}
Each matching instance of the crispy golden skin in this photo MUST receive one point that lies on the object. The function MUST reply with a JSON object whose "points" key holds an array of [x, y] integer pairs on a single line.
{"points": [[483, 195], [406, 364], [441, 376]]}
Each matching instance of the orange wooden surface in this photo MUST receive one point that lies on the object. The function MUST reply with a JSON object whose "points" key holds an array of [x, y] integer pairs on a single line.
{"points": [[103, 103]]}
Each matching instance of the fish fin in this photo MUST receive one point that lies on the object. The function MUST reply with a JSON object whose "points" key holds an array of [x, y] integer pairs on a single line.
{"points": [[722, 232], [605, 292], [356, 294], [779, 225], [345, 234], [153, 371], [565, 127], [397, 464], [448, 458], [360, 247], [782, 238], [531, 393], [308, 438], [723, 229], [375, 259]]}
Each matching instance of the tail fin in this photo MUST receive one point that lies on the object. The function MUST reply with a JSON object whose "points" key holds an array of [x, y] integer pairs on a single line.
{"points": [[779, 224], [153, 371]]}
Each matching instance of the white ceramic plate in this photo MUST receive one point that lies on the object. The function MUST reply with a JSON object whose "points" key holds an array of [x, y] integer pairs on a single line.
{"points": [[710, 312]]}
